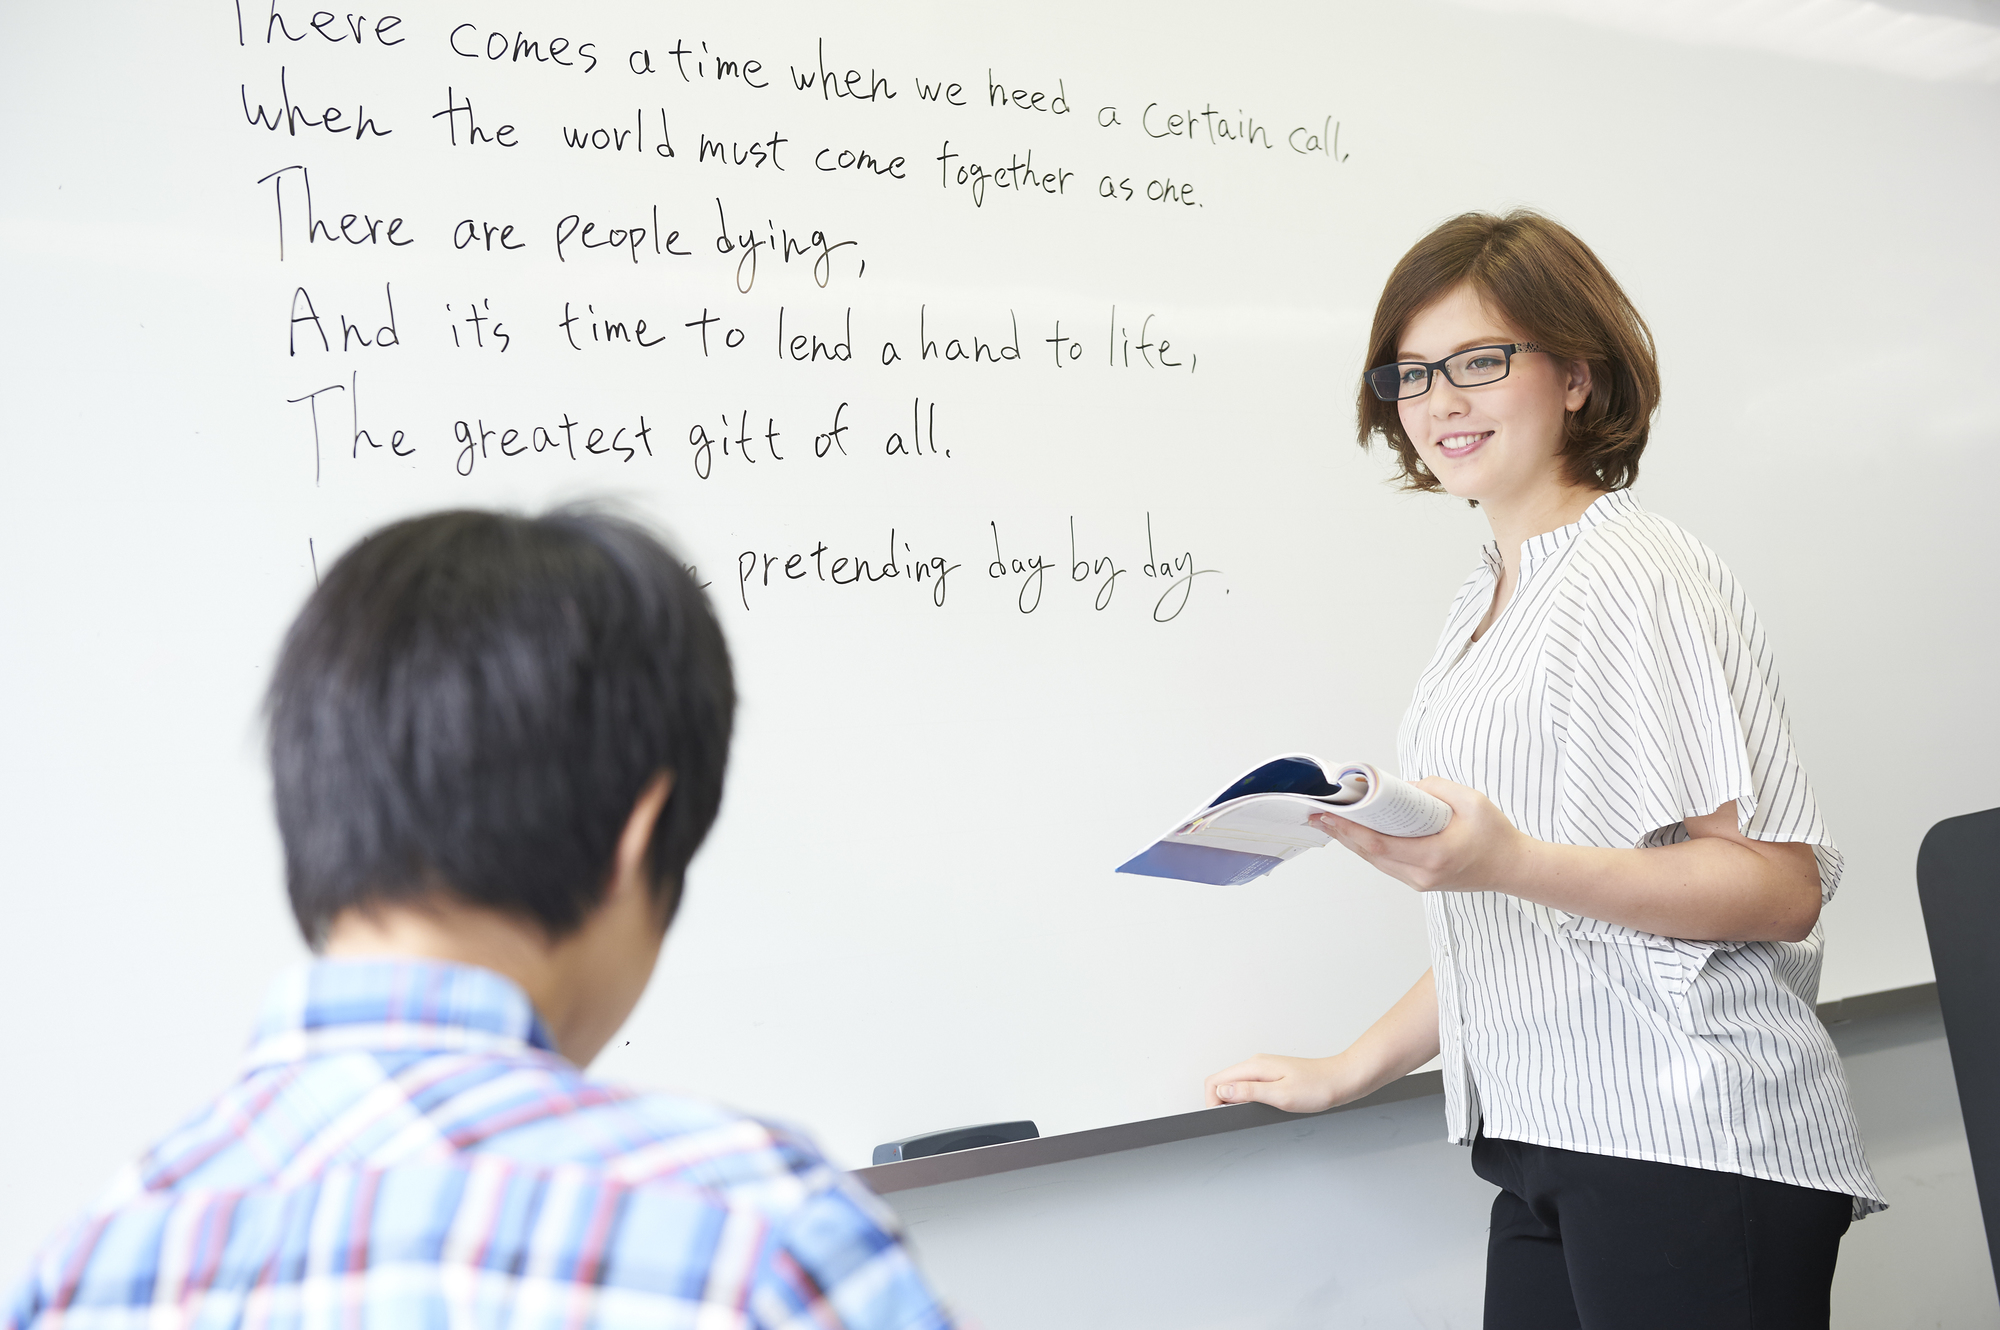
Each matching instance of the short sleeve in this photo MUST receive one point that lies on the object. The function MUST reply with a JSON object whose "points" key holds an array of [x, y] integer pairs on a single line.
{"points": [[838, 1259], [1667, 705]]}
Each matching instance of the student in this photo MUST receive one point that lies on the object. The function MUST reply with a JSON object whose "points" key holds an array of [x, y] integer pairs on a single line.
{"points": [[495, 744], [1624, 911]]}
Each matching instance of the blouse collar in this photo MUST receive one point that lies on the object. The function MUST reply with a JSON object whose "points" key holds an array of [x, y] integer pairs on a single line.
{"points": [[1606, 507]]}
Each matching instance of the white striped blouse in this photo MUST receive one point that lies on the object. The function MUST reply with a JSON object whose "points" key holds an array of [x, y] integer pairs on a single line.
{"points": [[1627, 686]]}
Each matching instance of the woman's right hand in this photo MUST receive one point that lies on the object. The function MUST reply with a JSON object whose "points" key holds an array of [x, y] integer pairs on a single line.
{"points": [[1404, 1039], [1296, 1085]]}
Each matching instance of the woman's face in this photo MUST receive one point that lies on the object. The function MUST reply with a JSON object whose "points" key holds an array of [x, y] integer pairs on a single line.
{"points": [[1497, 442]]}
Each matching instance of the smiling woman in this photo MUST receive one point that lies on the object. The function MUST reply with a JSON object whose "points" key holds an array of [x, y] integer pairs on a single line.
{"points": [[1624, 909], [1525, 274]]}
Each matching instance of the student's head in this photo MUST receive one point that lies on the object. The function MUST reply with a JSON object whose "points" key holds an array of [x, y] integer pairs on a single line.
{"points": [[1574, 411], [473, 709]]}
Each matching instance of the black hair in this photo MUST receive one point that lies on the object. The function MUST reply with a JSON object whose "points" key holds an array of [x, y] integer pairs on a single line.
{"points": [[472, 702]]}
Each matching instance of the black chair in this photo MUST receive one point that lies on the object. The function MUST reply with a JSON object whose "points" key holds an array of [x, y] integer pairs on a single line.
{"points": [[1958, 880]]}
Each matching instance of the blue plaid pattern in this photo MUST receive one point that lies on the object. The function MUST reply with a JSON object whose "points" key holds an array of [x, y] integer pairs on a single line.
{"points": [[405, 1151]]}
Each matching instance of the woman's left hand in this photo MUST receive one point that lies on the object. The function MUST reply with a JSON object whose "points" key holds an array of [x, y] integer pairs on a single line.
{"points": [[1477, 852]]}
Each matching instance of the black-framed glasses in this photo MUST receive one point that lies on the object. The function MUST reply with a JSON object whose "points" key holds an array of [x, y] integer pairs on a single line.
{"points": [[1469, 368]]}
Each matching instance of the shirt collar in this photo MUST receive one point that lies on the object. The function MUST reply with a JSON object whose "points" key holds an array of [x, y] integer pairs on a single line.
{"points": [[1606, 507], [383, 1005]]}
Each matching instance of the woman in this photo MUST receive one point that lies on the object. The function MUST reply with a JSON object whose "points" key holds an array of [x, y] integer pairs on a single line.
{"points": [[1624, 911]]}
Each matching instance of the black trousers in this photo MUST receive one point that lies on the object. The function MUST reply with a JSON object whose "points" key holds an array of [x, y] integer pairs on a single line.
{"points": [[1599, 1243]]}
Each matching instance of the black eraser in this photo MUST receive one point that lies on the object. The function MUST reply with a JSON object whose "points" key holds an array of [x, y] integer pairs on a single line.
{"points": [[955, 1138]]}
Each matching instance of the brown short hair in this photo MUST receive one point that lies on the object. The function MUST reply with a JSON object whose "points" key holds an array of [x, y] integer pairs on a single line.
{"points": [[1549, 285]]}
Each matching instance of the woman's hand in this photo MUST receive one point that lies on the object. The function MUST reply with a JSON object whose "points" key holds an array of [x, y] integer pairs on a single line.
{"points": [[1297, 1085], [1404, 1039], [1718, 885], [1477, 852]]}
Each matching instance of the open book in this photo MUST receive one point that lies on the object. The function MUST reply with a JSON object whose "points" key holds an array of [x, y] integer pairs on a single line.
{"points": [[1259, 819]]}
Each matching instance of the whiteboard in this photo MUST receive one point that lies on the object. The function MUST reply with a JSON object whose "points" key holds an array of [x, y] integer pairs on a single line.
{"points": [[906, 917]]}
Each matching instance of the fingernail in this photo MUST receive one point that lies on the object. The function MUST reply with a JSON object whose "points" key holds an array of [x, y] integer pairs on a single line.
{"points": [[1225, 1091]]}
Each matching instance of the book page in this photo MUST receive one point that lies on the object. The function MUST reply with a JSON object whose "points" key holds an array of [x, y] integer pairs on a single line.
{"points": [[1265, 824], [1393, 806]]}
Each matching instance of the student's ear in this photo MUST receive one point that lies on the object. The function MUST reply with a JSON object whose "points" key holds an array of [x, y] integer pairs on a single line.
{"points": [[630, 862]]}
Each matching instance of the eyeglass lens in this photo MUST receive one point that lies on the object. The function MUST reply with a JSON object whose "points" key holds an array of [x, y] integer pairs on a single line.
{"points": [[1467, 369]]}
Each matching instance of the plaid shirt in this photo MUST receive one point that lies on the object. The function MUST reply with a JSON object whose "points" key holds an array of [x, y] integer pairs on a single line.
{"points": [[404, 1150]]}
